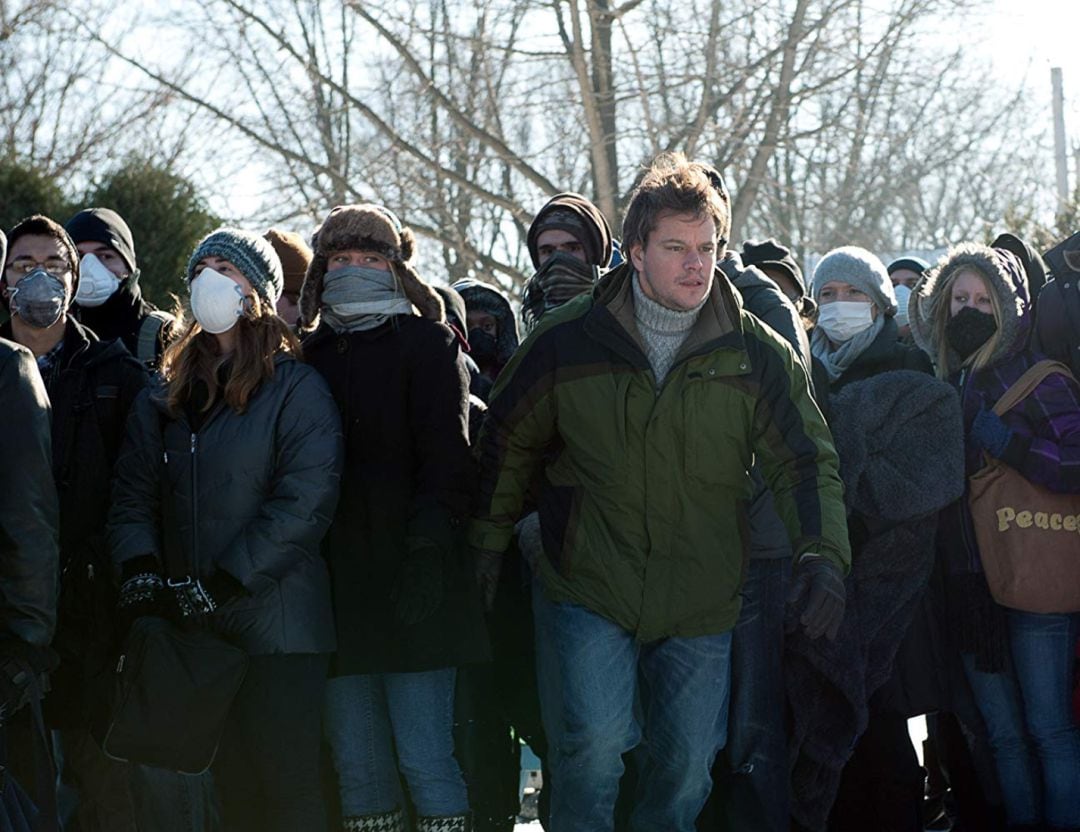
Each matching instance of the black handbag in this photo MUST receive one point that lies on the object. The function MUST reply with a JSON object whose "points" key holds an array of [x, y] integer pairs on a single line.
{"points": [[174, 685], [174, 690]]}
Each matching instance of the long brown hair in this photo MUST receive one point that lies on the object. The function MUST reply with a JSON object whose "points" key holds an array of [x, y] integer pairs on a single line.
{"points": [[193, 357]]}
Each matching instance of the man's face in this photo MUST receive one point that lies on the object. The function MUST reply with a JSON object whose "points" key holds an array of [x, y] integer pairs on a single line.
{"points": [[905, 277], [107, 255], [484, 321], [676, 263], [555, 240], [32, 251]]}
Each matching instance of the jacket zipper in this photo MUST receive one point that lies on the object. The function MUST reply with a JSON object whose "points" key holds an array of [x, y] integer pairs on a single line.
{"points": [[194, 506]]}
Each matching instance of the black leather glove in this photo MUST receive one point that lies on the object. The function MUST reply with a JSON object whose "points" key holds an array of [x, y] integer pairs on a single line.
{"points": [[418, 590], [20, 664], [141, 590], [817, 596], [198, 596], [488, 567]]}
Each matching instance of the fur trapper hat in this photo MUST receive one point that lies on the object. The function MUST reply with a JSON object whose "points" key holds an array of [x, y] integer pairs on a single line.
{"points": [[366, 227], [1004, 276]]}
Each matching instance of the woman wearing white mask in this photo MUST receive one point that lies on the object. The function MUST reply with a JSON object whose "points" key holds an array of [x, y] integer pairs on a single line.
{"points": [[897, 432], [856, 333], [245, 441]]}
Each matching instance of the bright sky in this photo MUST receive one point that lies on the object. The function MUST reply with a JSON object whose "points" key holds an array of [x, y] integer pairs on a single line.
{"points": [[1031, 36]]}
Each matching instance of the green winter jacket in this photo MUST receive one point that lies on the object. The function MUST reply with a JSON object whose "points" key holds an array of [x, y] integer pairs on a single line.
{"points": [[644, 492]]}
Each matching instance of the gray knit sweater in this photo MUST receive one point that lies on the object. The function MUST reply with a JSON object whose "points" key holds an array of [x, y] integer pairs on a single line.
{"points": [[663, 330]]}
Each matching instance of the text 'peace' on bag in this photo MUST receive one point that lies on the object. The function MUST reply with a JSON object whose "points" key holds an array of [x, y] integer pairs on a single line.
{"points": [[1028, 536]]}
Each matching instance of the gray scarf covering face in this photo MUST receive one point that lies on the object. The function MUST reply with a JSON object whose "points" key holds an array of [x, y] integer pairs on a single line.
{"points": [[838, 359], [356, 298]]}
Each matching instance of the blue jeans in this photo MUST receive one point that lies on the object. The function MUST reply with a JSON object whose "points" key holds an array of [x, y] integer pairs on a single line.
{"points": [[369, 716], [1035, 741], [682, 686], [756, 751]]}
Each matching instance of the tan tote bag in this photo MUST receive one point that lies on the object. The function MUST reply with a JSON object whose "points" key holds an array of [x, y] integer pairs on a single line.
{"points": [[1028, 536]]}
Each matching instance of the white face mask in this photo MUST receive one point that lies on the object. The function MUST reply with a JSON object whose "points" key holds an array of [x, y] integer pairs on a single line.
{"points": [[216, 301], [903, 295], [96, 283], [842, 320]]}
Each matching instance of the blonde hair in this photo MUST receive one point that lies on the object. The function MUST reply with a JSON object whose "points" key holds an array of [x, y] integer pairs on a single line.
{"points": [[941, 312], [194, 357]]}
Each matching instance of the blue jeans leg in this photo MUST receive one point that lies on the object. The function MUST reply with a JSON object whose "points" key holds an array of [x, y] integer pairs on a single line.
{"points": [[422, 715], [1043, 650], [368, 716], [596, 663], [686, 686], [756, 750], [361, 743]]}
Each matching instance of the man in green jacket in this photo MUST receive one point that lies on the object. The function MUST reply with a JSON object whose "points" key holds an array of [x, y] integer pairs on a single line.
{"points": [[642, 406]]}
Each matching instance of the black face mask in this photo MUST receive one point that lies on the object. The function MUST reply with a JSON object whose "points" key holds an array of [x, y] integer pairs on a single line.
{"points": [[483, 346], [968, 330]]}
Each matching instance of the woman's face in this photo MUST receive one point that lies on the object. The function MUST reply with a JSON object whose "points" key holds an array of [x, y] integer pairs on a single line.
{"points": [[835, 291], [363, 258], [970, 289], [224, 267]]}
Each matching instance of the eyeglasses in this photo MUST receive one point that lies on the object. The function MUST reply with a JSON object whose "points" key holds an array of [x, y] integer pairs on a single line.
{"points": [[24, 265]]}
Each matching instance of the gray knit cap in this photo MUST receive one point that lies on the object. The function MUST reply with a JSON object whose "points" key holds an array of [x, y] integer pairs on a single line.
{"points": [[250, 253], [861, 269]]}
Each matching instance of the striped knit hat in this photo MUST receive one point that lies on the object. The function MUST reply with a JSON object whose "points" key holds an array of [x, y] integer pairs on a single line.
{"points": [[250, 253]]}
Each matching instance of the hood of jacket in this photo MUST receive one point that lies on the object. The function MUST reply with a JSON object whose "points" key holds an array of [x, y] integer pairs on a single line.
{"points": [[484, 296], [1004, 276]]}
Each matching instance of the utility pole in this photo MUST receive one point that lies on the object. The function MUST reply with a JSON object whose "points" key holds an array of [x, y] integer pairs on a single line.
{"points": [[1061, 162]]}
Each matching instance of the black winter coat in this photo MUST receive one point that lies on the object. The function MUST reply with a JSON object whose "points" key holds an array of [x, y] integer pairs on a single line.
{"points": [[28, 504], [884, 355], [91, 387], [249, 493], [122, 317], [403, 393]]}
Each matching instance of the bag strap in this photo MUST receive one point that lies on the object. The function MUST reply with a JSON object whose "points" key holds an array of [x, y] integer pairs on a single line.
{"points": [[1026, 384], [149, 335]]}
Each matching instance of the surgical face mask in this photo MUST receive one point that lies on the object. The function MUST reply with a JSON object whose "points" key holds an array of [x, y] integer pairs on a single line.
{"points": [[39, 299], [903, 295], [96, 283], [842, 320], [217, 302]]}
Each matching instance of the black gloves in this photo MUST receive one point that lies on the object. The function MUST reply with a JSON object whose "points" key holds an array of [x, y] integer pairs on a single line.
{"points": [[418, 591], [488, 567], [202, 597], [20, 664], [143, 592], [818, 596]]}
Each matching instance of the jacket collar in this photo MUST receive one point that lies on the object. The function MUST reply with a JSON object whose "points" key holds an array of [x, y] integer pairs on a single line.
{"points": [[611, 320]]}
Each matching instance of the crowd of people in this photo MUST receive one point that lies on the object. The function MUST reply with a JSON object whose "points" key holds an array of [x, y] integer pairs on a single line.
{"points": [[705, 538]]}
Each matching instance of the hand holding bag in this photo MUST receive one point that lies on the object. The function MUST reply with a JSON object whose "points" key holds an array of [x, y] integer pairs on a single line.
{"points": [[1028, 536]]}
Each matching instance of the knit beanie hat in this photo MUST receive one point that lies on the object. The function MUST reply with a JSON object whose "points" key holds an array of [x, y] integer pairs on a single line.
{"points": [[102, 225], [575, 215], [769, 253], [366, 227], [912, 264], [295, 256], [861, 269], [250, 253]]}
